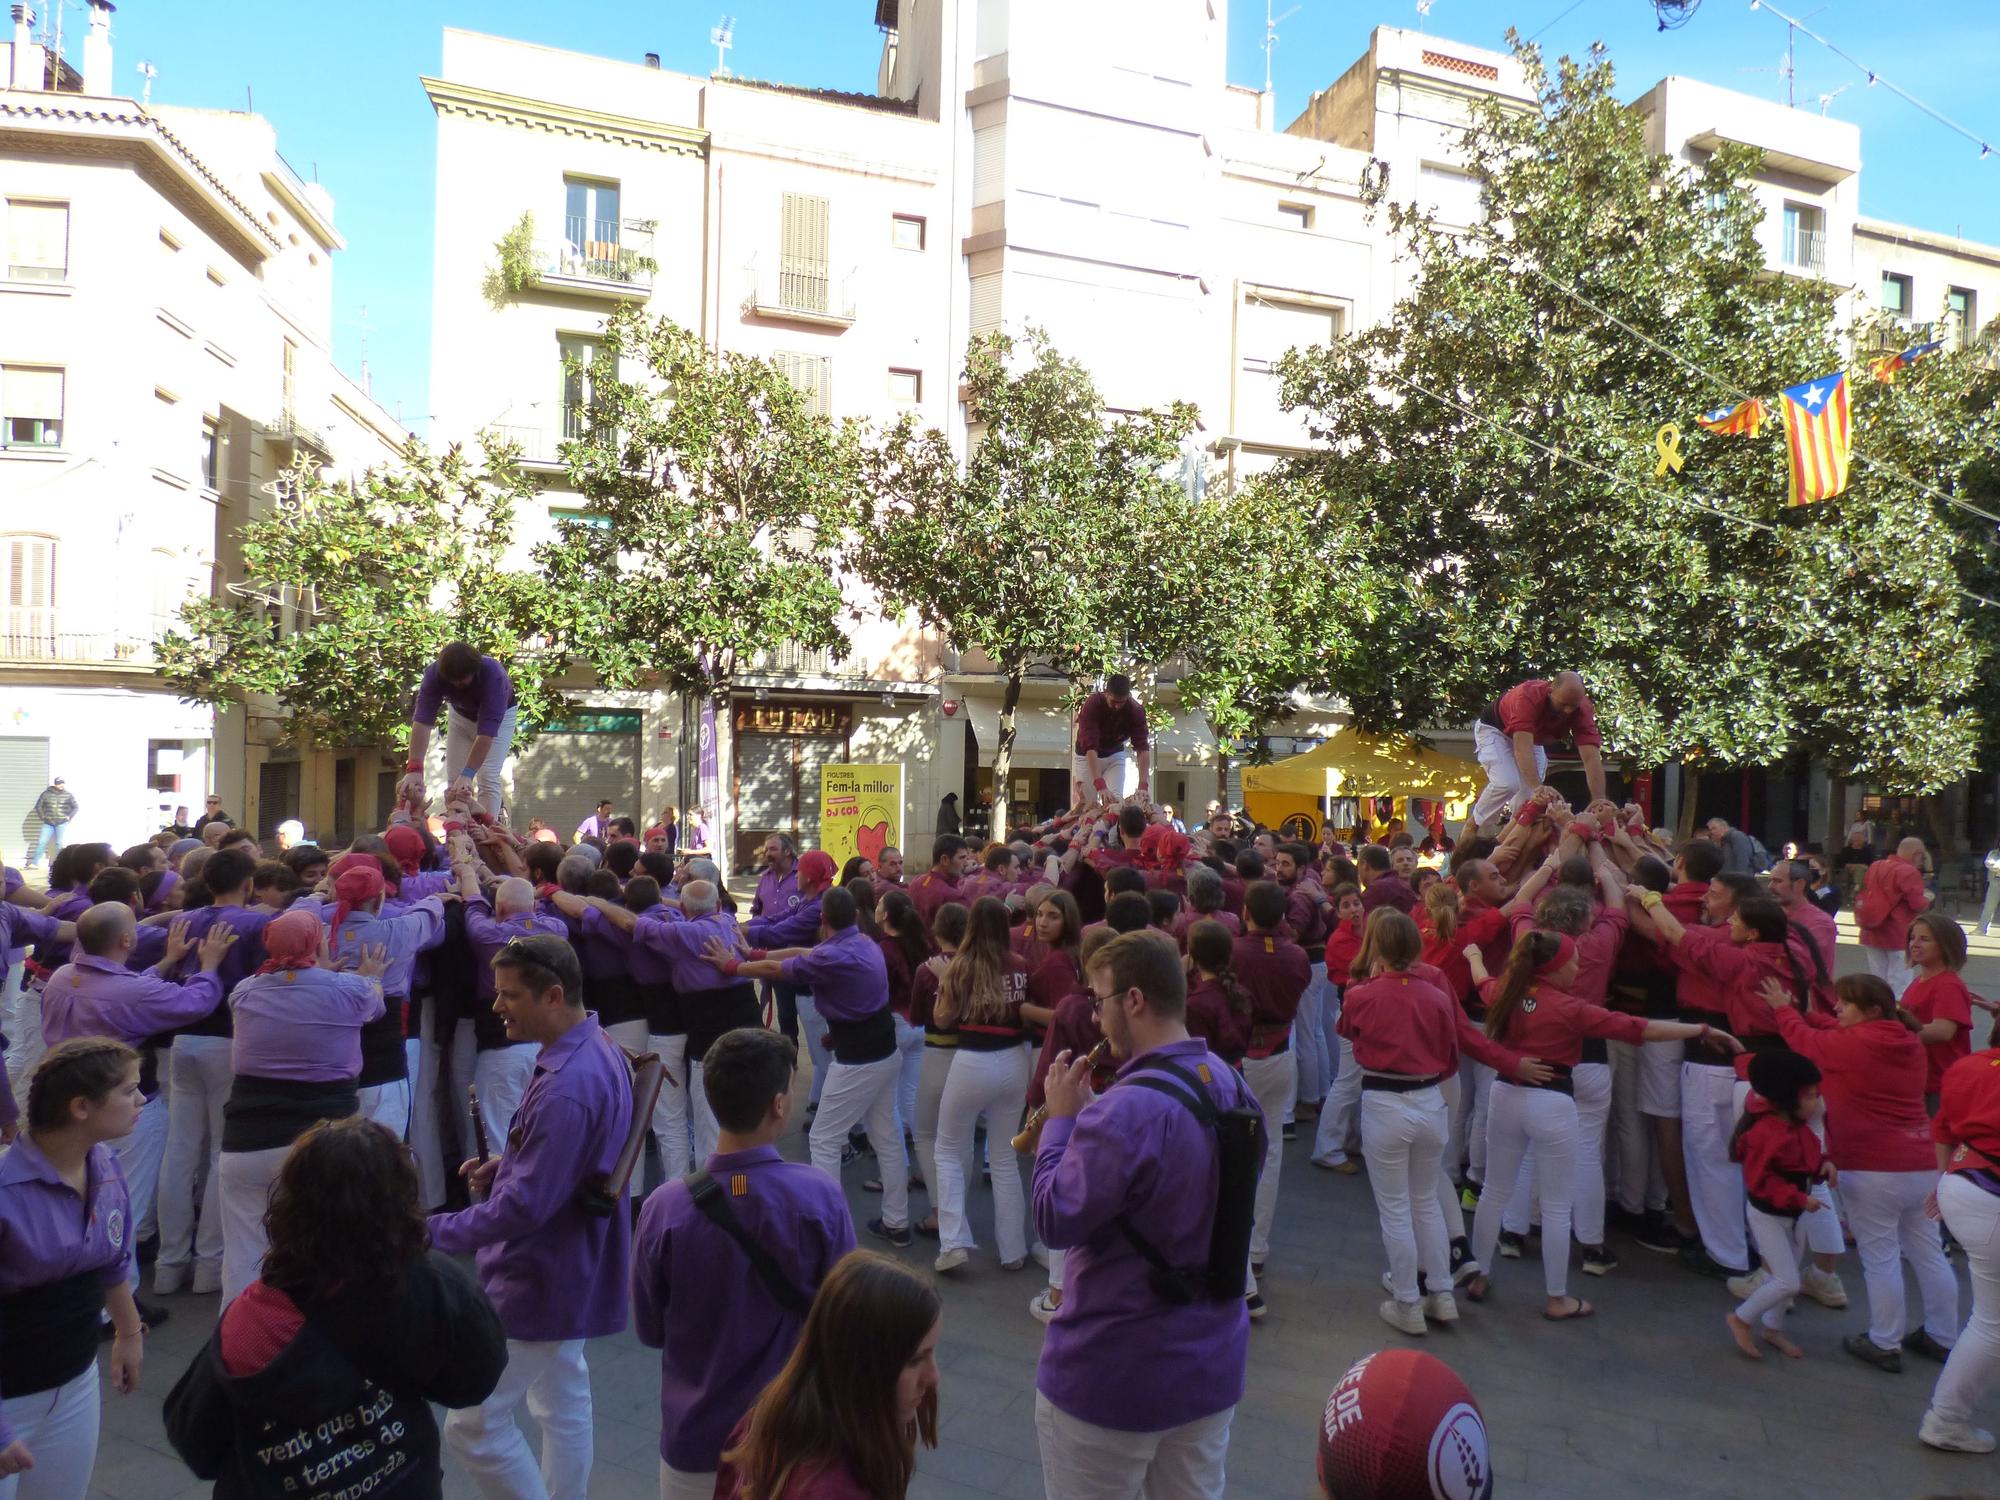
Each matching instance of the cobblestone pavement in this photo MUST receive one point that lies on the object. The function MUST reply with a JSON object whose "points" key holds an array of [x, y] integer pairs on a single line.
{"points": [[1646, 1399]]}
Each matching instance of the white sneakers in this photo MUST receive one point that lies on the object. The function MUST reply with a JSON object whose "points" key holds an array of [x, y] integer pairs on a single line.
{"points": [[1441, 1307], [1823, 1287], [207, 1278], [1404, 1317], [1954, 1437], [1041, 1309], [1740, 1287], [168, 1279], [950, 1260]]}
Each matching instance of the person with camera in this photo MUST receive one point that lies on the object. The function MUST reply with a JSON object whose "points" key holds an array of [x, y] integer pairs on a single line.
{"points": [[1149, 1189], [553, 1241]]}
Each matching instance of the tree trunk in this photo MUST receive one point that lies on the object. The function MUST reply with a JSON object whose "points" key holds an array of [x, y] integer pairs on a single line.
{"points": [[1836, 815], [1003, 754], [1690, 795], [1221, 773]]}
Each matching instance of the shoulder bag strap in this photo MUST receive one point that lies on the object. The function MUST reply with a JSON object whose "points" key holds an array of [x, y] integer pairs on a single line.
{"points": [[714, 1205]]}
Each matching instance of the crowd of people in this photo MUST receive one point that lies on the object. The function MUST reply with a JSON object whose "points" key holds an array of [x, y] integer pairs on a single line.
{"points": [[1556, 1024]]}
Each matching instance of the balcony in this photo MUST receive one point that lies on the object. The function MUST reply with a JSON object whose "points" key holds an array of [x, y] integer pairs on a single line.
{"points": [[1804, 250], [790, 659], [792, 290], [600, 258], [286, 427], [79, 638]]}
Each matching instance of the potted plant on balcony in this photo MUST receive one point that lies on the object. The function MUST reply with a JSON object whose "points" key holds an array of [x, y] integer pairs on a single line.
{"points": [[515, 272]]}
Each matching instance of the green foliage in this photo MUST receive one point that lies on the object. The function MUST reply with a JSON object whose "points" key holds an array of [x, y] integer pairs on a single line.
{"points": [[515, 270], [1466, 556], [349, 592], [727, 501]]}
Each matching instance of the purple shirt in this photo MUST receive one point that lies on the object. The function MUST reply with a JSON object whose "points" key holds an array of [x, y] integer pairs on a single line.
{"points": [[485, 700], [19, 927], [1116, 1355], [681, 941], [415, 930], [796, 928], [847, 975], [244, 955], [302, 1024], [606, 947], [552, 1269], [488, 934], [91, 996], [413, 888], [776, 894], [48, 1235], [725, 1337], [52, 952]]}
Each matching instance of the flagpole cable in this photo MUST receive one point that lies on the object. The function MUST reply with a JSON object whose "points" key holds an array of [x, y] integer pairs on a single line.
{"points": [[1621, 480]]}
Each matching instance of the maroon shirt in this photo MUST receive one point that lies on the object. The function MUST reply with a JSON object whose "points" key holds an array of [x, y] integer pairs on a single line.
{"points": [[1275, 972], [1389, 890], [1105, 729], [1526, 708], [931, 891]]}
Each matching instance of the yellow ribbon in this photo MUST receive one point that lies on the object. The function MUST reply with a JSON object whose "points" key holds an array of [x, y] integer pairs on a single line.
{"points": [[1668, 441]]}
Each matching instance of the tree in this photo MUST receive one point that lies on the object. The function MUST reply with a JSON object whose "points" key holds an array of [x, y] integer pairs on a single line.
{"points": [[1032, 554], [1488, 456], [350, 589], [716, 503]]}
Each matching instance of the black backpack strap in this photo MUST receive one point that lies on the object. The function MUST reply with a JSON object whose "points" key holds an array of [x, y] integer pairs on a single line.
{"points": [[714, 1205], [1174, 1283]]}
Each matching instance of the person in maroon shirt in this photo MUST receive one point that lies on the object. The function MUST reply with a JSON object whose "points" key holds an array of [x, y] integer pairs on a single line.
{"points": [[939, 884], [1276, 972], [1107, 723], [1511, 735], [1379, 885]]}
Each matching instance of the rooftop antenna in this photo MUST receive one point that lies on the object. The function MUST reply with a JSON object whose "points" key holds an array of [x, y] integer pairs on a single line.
{"points": [[361, 322], [1826, 100], [1423, 12], [1787, 68], [1271, 24], [148, 72], [722, 36]]}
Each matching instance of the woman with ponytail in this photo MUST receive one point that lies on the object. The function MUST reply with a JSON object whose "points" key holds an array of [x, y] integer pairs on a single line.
{"points": [[1531, 1011], [1218, 1007]]}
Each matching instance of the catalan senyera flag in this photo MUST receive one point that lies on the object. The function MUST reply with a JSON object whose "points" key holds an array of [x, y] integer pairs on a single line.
{"points": [[1818, 435], [1744, 419], [1885, 368]]}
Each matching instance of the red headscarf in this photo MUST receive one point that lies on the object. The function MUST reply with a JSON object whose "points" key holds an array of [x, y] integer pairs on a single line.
{"points": [[406, 846], [357, 885], [1162, 848], [1565, 951], [816, 866], [291, 941]]}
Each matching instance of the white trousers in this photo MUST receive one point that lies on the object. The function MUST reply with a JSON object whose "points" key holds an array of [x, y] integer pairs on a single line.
{"points": [[1518, 1117], [671, 1132], [1973, 1216], [1715, 1183], [1310, 1039], [1631, 1160], [1780, 1242], [1890, 965], [1275, 1082], [633, 1037], [141, 1154], [1336, 1132], [1120, 773], [1886, 1212], [246, 1192], [502, 1076], [387, 1104], [707, 1131], [23, 1028], [1822, 1230], [932, 1077], [201, 1080], [460, 732], [1468, 1119], [865, 1092], [1503, 791], [992, 1084], [436, 1063], [554, 1381], [1402, 1137], [813, 1029], [1593, 1108], [1447, 1190], [60, 1430], [909, 1048], [677, 1484], [1081, 1461]]}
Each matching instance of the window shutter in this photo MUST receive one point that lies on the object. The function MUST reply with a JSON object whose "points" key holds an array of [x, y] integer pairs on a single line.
{"points": [[985, 313], [989, 157], [30, 572], [37, 238], [802, 252], [30, 392]]}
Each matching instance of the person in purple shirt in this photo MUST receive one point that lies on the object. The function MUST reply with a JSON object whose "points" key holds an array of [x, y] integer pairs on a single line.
{"points": [[482, 1055], [786, 915], [711, 1002], [65, 1258], [721, 1330], [776, 897], [19, 927], [1134, 1394], [850, 984], [198, 1083], [479, 732], [295, 1054], [556, 1271]]}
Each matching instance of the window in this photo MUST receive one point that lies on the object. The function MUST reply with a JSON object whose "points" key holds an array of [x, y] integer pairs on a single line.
{"points": [[1450, 193], [211, 456], [580, 518], [31, 407], [1804, 246], [1295, 215], [803, 276], [906, 232], [163, 764], [579, 364], [1895, 294], [590, 221], [1961, 322], [812, 374], [291, 386], [29, 614], [37, 240], [906, 387]]}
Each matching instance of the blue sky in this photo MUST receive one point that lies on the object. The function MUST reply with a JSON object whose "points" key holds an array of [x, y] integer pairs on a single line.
{"points": [[340, 83]]}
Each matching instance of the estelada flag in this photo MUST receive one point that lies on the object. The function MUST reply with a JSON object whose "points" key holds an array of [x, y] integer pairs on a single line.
{"points": [[1885, 368], [1744, 419], [1818, 436]]}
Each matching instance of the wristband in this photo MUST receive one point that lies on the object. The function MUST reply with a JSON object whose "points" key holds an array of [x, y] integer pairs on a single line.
{"points": [[1098, 784], [759, 953], [1584, 831], [1530, 811], [729, 966], [1652, 901], [470, 773], [411, 768]]}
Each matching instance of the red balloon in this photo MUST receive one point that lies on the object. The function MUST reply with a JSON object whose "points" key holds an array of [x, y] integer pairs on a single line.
{"points": [[1401, 1426]]}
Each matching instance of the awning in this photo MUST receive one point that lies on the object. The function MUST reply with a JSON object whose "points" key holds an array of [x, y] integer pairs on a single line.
{"points": [[1041, 732], [1356, 764]]}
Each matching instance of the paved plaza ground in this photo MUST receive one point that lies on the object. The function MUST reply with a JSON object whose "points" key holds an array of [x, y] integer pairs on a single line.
{"points": [[1649, 1398]]}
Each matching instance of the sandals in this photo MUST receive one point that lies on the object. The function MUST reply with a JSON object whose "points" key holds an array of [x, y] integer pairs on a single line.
{"points": [[1583, 1310]]}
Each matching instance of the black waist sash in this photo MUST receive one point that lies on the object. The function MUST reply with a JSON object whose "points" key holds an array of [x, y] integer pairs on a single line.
{"points": [[867, 1040], [382, 1057], [662, 1004], [615, 998], [709, 1013], [262, 1114], [48, 1334]]}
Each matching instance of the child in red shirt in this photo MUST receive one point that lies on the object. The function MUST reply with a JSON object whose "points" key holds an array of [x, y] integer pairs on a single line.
{"points": [[1781, 1159]]}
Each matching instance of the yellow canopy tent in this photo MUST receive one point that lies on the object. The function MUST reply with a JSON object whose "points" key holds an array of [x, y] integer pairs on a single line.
{"points": [[1354, 763]]}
